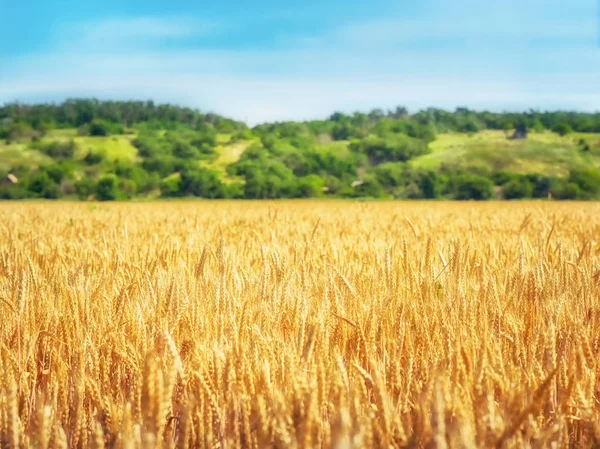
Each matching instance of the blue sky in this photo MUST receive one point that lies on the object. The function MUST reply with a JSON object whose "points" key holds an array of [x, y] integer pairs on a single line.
{"points": [[266, 60]]}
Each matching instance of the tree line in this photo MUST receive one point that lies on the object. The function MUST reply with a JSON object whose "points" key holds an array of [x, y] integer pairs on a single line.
{"points": [[360, 155]]}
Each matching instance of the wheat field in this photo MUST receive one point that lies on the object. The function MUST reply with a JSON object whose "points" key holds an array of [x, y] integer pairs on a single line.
{"points": [[299, 325]]}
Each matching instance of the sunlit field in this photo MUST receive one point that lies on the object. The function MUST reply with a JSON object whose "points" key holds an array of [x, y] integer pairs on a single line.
{"points": [[299, 325]]}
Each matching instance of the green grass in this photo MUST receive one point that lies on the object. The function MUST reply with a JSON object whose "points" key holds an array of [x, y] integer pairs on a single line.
{"points": [[540, 153], [19, 154], [227, 155], [113, 147]]}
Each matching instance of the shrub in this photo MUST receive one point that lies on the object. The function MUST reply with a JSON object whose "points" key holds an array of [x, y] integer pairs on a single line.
{"points": [[562, 129], [84, 188], [473, 187], [42, 186], [107, 188], [58, 149], [517, 189]]}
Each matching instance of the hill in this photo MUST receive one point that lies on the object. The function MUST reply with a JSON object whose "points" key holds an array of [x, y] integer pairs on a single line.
{"points": [[89, 149]]}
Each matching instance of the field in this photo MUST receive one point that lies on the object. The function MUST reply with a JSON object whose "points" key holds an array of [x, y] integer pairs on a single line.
{"points": [[299, 325], [544, 152]]}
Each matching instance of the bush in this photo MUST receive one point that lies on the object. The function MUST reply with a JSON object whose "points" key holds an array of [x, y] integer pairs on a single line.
{"points": [[430, 185], [201, 182], [59, 172], [395, 148], [517, 189], [562, 129], [310, 186], [473, 187], [107, 188], [93, 158], [58, 150], [14, 192], [588, 180], [42, 186], [84, 188], [170, 186], [564, 190], [99, 128]]}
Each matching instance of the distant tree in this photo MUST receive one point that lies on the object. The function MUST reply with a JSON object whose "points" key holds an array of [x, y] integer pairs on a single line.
{"points": [[57, 149], [42, 186], [342, 131], [588, 180], [473, 187], [310, 186], [107, 188], [99, 128], [538, 126], [430, 185], [470, 125], [564, 190], [84, 188], [517, 189], [562, 129]]}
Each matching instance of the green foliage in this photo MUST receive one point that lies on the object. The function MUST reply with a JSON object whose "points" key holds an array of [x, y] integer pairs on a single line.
{"points": [[564, 190], [60, 150], [562, 129], [468, 186], [182, 152], [99, 128], [201, 182], [310, 186], [93, 158], [588, 181], [41, 185], [14, 192], [393, 148], [430, 185], [84, 188], [517, 189], [171, 186], [107, 188]]}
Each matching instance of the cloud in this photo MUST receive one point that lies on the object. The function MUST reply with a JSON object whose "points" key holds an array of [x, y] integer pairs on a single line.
{"points": [[498, 25], [445, 59], [134, 32]]}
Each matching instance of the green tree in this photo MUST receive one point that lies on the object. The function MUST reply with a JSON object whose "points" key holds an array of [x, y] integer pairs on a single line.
{"points": [[310, 186], [107, 188], [42, 186], [517, 189], [473, 187], [562, 129], [84, 188], [99, 128], [430, 185]]}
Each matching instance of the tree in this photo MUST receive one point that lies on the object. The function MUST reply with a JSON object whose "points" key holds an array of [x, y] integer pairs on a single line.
{"points": [[107, 188], [562, 129], [517, 188], [430, 185], [588, 180], [42, 186], [473, 187], [84, 188], [310, 186], [99, 128]]}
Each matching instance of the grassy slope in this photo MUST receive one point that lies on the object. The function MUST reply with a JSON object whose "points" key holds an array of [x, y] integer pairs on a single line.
{"points": [[540, 153], [17, 153]]}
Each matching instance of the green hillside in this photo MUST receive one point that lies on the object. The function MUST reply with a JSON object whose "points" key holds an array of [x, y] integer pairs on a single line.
{"points": [[89, 150], [543, 152]]}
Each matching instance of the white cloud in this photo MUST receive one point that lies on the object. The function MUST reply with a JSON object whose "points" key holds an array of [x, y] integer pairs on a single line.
{"points": [[127, 33], [351, 67]]}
